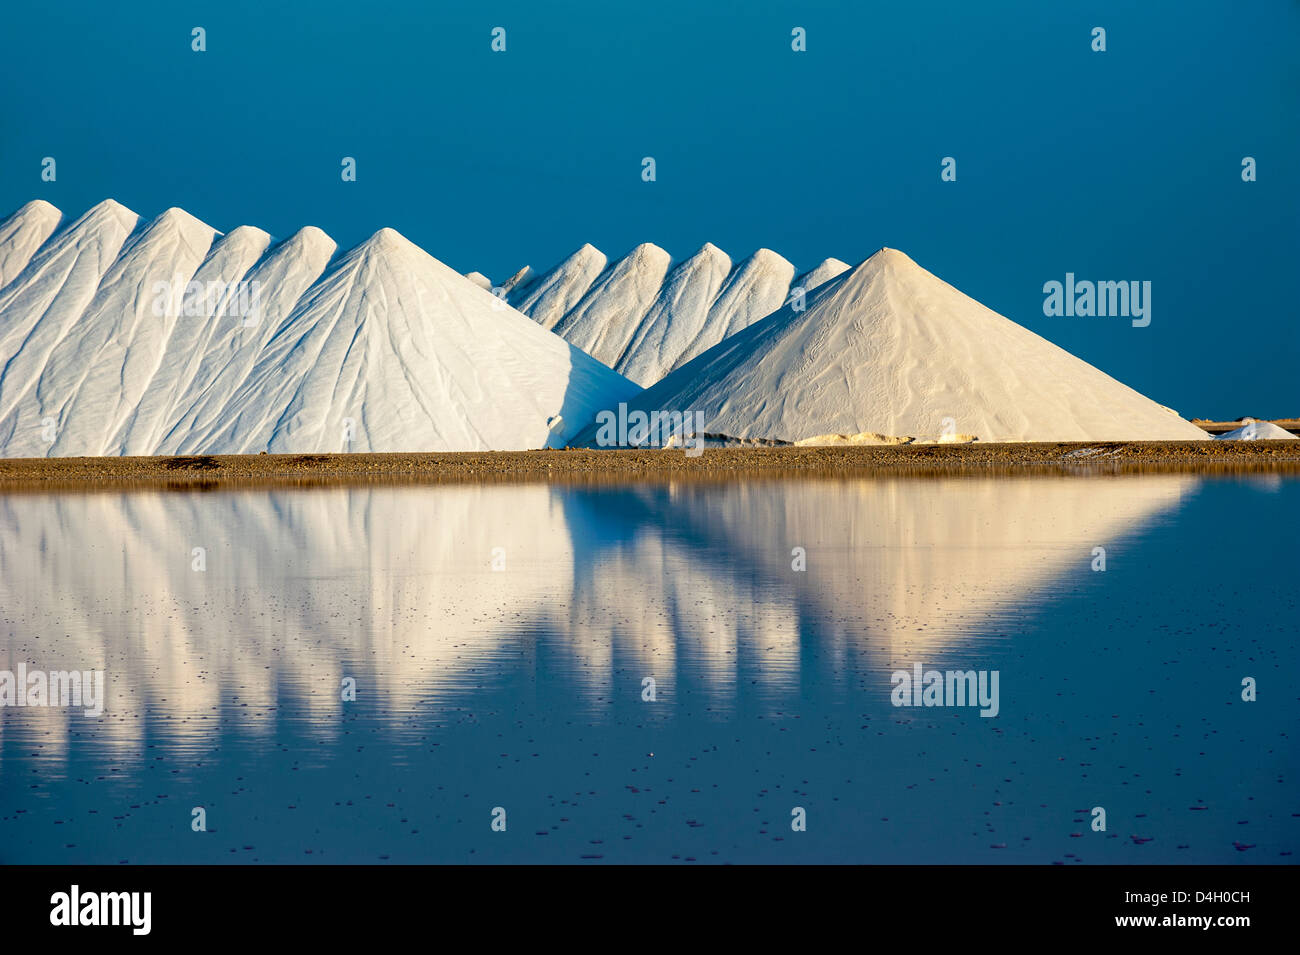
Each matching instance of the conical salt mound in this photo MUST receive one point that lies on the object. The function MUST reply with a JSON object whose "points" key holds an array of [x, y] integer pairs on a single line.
{"points": [[890, 350], [1257, 431], [164, 337]]}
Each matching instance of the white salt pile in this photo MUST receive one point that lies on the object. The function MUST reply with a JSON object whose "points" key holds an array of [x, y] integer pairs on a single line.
{"points": [[891, 351], [1257, 431], [164, 337]]}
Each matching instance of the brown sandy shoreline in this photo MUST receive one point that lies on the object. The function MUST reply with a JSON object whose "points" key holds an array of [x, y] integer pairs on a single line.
{"points": [[205, 472]]}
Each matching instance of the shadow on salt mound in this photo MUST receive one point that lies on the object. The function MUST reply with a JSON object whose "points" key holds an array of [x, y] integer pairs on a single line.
{"points": [[1257, 431]]}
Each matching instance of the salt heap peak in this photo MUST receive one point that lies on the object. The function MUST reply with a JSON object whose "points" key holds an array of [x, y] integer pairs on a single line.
{"points": [[22, 234], [519, 279], [826, 270]]}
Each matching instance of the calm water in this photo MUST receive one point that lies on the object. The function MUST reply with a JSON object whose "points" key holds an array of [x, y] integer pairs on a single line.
{"points": [[521, 687]]}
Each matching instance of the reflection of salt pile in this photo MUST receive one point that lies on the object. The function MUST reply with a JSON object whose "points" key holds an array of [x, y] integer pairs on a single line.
{"points": [[300, 589], [668, 609], [688, 583], [904, 564], [1257, 431], [126, 337], [889, 349]]}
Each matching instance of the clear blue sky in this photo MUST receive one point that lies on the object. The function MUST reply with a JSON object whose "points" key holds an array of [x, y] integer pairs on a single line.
{"points": [[1117, 165]]}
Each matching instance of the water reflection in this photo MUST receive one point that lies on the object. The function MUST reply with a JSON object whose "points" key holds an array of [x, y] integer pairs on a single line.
{"points": [[690, 582]]}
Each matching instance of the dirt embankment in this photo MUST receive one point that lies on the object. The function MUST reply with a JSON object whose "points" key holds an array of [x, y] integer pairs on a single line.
{"points": [[201, 472]]}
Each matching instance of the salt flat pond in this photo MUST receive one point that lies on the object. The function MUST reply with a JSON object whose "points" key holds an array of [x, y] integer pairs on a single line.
{"points": [[500, 638]]}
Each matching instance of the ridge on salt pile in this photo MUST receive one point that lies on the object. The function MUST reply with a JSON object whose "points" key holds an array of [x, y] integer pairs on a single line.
{"points": [[644, 315], [891, 350], [128, 337], [22, 234], [1259, 431]]}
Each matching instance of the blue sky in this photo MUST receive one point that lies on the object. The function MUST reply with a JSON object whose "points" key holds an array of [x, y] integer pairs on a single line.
{"points": [[1122, 165]]}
